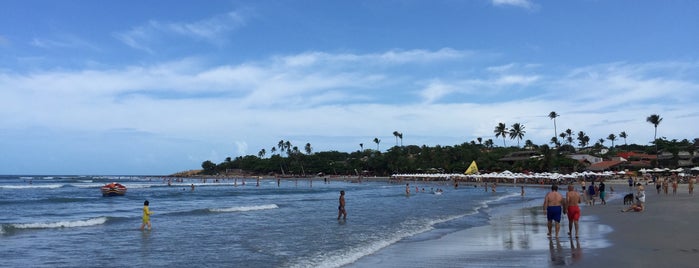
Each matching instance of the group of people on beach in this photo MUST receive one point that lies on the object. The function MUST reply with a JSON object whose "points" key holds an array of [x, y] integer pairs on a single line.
{"points": [[555, 205], [592, 192]]}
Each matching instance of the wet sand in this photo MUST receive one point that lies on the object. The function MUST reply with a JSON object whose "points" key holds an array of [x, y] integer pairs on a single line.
{"points": [[665, 234], [513, 239]]}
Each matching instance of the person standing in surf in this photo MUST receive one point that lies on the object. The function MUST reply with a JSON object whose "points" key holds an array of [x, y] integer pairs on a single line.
{"points": [[341, 209], [146, 216]]}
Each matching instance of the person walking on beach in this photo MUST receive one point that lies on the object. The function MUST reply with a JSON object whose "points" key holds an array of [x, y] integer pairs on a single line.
{"points": [[674, 187], [553, 208], [602, 192], [591, 194], [146, 216], [341, 209], [573, 210], [690, 186]]}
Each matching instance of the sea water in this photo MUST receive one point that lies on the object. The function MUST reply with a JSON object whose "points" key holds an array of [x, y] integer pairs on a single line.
{"points": [[63, 221]]}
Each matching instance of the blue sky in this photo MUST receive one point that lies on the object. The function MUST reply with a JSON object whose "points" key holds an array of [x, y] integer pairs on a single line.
{"points": [[156, 87]]}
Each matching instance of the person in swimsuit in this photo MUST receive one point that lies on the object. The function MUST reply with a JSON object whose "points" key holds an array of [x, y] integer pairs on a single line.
{"points": [[640, 200], [341, 209], [572, 201], [146, 216], [553, 208]]}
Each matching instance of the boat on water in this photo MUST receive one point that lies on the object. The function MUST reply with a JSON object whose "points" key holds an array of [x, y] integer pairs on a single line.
{"points": [[113, 189]]}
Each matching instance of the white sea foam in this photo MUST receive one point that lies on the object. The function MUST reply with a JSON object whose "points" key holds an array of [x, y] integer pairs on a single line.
{"points": [[137, 186], [32, 186], [344, 257], [61, 224], [244, 208], [87, 185]]}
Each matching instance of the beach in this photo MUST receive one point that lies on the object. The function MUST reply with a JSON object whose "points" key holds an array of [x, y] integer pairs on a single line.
{"points": [[664, 234], [661, 235]]}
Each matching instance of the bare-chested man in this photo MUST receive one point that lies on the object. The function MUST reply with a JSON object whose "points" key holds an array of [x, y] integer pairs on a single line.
{"points": [[573, 210], [553, 207]]}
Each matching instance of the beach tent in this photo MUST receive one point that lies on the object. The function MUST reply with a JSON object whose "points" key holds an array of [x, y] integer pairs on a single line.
{"points": [[472, 169]]}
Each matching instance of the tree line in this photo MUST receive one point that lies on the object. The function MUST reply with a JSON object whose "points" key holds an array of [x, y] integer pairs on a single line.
{"points": [[288, 160]]}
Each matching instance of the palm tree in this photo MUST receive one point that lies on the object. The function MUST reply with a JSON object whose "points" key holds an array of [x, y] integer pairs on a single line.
{"points": [[517, 132], [529, 144], [624, 136], [361, 145], [273, 150], [400, 136], [395, 134], [569, 137], [480, 140], [308, 148], [555, 142], [583, 139], [489, 143], [612, 138], [553, 116], [262, 153], [281, 146], [287, 145], [501, 130], [655, 119], [601, 142], [377, 141]]}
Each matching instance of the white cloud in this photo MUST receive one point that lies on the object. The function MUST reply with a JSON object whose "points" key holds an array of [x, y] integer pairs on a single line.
{"points": [[527, 4], [325, 99], [63, 41], [213, 30]]}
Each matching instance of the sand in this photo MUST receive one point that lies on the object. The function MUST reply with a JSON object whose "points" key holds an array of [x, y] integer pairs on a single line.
{"points": [[663, 235]]}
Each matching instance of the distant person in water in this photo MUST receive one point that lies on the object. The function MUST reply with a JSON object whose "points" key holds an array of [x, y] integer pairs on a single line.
{"points": [[407, 189], [146, 216], [341, 209], [553, 207]]}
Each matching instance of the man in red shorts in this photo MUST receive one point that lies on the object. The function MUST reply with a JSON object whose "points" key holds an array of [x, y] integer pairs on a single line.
{"points": [[572, 201]]}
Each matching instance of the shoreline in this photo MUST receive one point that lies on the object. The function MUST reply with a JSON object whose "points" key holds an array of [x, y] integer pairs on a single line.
{"points": [[513, 236]]}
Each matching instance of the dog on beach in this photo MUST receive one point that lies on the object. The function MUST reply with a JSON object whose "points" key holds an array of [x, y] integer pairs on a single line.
{"points": [[628, 199]]}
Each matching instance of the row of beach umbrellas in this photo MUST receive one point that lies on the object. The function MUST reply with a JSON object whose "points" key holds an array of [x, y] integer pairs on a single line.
{"points": [[544, 175], [510, 175]]}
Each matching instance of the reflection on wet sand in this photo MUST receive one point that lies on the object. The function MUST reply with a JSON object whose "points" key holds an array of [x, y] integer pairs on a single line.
{"points": [[515, 239]]}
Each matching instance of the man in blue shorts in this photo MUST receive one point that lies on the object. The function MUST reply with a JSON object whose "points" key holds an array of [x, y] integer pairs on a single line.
{"points": [[553, 207]]}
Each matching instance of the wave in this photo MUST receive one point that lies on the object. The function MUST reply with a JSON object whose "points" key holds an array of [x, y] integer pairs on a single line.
{"points": [[244, 208], [411, 228], [32, 186], [58, 224], [340, 258]]}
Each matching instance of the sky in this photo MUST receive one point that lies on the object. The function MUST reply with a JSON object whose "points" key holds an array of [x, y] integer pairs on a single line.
{"points": [[156, 87]]}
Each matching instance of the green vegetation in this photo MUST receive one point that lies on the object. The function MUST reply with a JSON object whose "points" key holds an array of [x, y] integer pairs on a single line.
{"points": [[287, 160]]}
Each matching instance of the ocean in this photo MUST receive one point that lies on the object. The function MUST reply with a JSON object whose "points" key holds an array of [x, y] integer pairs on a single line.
{"points": [[64, 221]]}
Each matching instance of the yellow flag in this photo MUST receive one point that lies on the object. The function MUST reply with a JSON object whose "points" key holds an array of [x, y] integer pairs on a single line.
{"points": [[472, 169]]}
